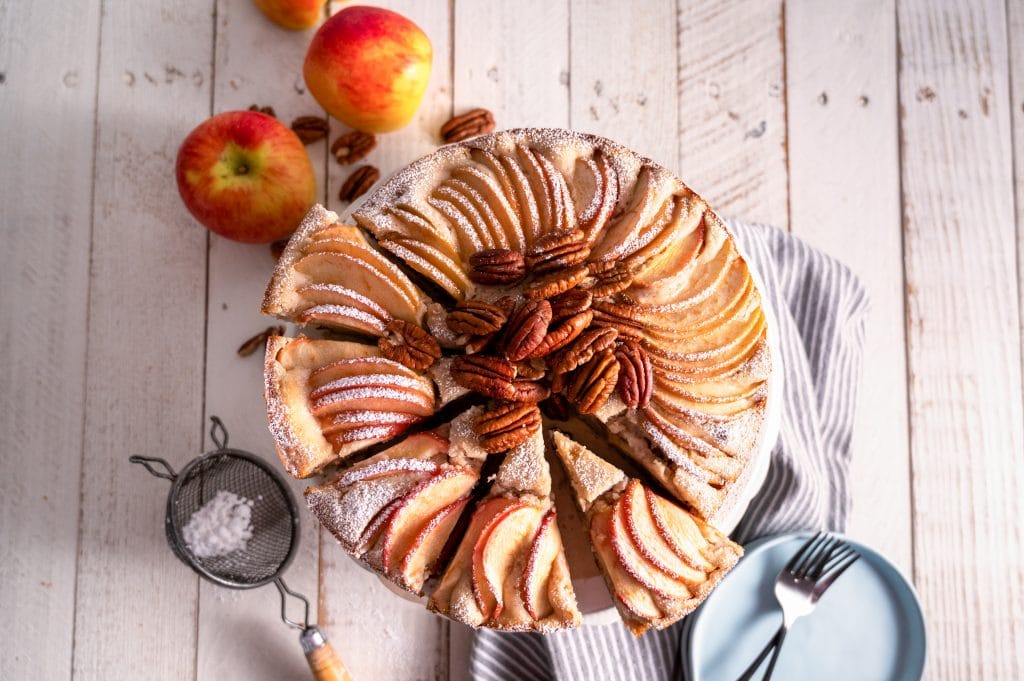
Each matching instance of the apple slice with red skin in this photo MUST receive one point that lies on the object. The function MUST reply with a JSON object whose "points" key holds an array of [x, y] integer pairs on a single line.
{"points": [[543, 552], [496, 549], [679, 530], [636, 565], [366, 434], [634, 597], [383, 380], [386, 467], [419, 560], [527, 204], [429, 261], [375, 398], [350, 420], [648, 539], [357, 366], [362, 277], [376, 526], [343, 317], [355, 246], [423, 501], [538, 185]]}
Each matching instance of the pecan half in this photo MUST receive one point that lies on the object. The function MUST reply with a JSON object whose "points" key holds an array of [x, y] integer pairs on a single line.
{"points": [[608, 279], [593, 383], [556, 407], [488, 375], [636, 378], [408, 344], [527, 371], [557, 251], [563, 334], [256, 342], [469, 124], [570, 303], [506, 425], [268, 110], [625, 327], [526, 329], [310, 129], [358, 183], [353, 146], [475, 318], [589, 343], [530, 391], [497, 266], [554, 283]]}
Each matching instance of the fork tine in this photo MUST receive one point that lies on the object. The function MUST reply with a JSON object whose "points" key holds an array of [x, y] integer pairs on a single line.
{"points": [[811, 558], [815, 571], [830, 577], [837, 556], [799, 554]]}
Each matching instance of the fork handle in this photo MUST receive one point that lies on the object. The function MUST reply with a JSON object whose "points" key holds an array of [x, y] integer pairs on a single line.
{"points": [[772, 644], [775, 656]]}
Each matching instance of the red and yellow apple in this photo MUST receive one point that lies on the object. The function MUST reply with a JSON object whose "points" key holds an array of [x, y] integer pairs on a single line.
{"points": [[369, 67], [246, 176], [293, 14]]}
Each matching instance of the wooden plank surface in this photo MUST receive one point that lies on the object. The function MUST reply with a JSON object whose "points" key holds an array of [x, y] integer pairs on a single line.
{"points": [[845, 199], [136, 605], [964, 336], [732, 112], [379, 634], [46, 180], [1015, 35], [631, 98], [240, 635]]}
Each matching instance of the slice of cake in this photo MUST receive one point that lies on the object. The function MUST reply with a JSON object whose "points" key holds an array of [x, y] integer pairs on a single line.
{"points": [[509, 571], [659, 560], [327, 399], [396, 510]]}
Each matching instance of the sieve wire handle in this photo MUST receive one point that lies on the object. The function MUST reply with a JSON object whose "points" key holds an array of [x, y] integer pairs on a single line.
{"points": [[148, 461]]}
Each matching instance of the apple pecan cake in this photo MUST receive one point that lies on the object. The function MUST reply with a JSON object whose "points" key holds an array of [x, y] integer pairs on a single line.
{"points": [[487, 287]]}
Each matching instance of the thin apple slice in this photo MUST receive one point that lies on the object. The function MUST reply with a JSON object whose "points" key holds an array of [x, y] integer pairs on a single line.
{"points": [[497, 550], [375, 527], [386, 467], [631, 594], [470, 231], [359, 275], [381, 379], [375, 398], [538, 185], [348, 511], [360, 418], [624, 230], [362, 251], [425, 445], [563, 213], [637, 566], [336, 294], [690, 286], [421, 558], [418, 226], [357, 366], [547, 544], [599, 211], [430, 262], [679, 530], [366, 435], [491, 191], [343, 317], [529, 208], [488, 220], [423, 501], [647, 537]]}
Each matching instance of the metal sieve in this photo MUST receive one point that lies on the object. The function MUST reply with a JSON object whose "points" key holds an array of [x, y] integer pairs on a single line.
{"points": [[275, 532]]}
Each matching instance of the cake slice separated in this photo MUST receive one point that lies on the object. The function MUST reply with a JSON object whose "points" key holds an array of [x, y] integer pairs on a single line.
{"points": [[659, 561], [509, 571]]}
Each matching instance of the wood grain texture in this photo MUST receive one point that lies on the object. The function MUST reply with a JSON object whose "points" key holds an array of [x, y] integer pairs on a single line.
{"points": [[513, 58], [964, 336], [1015, 35], [632, 99], [44, 271], [378, 634], [136, 605], [845, 199], [732, 120], [240, 635]]}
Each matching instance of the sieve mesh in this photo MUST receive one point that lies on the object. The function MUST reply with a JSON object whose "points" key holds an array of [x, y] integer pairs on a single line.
{"points": [[274, 518]]}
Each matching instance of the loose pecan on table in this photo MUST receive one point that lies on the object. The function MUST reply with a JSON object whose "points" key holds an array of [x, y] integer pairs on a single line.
{"points": [[497, 266], [256, 342], [555, 283], [310, 129], [408, 344], [557, 251], [506, 425], [353, 146], [593, 383], [526, 328], [636, 378], [268, 110], [358, 183], [469, 124]]}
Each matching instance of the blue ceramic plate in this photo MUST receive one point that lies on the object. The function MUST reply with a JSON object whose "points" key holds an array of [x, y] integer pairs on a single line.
{"points": [[868, 625]]}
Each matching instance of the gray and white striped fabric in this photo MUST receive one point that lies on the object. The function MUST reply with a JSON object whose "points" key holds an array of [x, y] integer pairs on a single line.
{"points": [[820, 308]]}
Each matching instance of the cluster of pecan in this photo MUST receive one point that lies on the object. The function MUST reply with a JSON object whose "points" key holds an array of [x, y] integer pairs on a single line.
{"points": [[550, 347]]}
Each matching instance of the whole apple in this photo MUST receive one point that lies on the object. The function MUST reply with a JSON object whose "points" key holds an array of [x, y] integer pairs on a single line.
{"points": [[293, 14], [246, 176], [369, 67]]}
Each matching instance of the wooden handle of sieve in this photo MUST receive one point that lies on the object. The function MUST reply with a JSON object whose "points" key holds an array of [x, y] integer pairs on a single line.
{"points": [[323, 660]]}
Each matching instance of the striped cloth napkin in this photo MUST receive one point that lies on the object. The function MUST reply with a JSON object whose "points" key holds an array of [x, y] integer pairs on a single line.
{"points": [[820, 309]]}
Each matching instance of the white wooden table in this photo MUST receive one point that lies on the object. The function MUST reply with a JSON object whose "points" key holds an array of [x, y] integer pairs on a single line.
{"points": [[883, 132]]}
